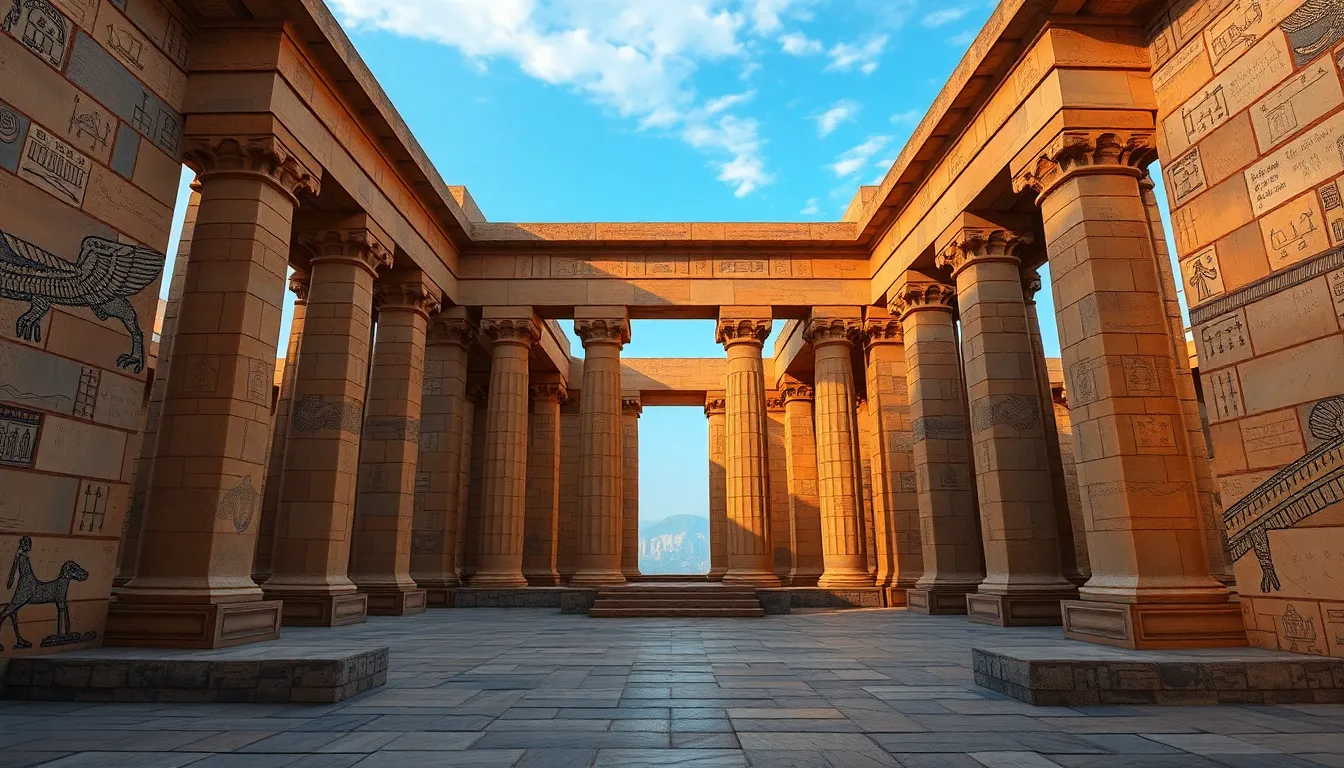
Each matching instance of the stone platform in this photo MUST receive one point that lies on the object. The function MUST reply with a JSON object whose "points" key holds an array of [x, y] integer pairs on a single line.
{"points": [[278, 672], [1071, 674], [776, 601]]}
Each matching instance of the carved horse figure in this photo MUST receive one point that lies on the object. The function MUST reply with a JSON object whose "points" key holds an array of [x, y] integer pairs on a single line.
{"points": [[33, 591]]}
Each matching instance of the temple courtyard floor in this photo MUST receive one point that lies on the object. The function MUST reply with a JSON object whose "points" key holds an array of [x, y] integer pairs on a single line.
{"points": [[529, 687]]}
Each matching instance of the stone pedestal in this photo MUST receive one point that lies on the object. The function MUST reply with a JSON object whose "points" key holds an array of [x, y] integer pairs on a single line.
{"points": [[747, 475], [541, 532], [1024, 582], [842, 536], [444, 412], [800, 449], [601, 483], [504, 482], [200, 528], [631, 408], [948, 517], [893, 459], [715, 411], [312, 537], [1151, 586], [380, 561]]}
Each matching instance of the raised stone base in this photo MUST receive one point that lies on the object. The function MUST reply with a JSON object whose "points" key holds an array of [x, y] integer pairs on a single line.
{"points": [[578, 601], [169, 625], [1069, 674], [439, 597], [397, 602], [325, 610], [1155, 625], [523, 597], [822, 597], [1014, 610], [542, 579], [896, 597], [260, 675], [939, 601]]}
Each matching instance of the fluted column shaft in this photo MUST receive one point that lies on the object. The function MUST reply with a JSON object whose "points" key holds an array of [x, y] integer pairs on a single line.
{"points": [[601, 463], [747, 476], [469, 479], [838, 466], [948, 519], [210, 458], [630, 412], [1024, 581], [380, 560], [504, 482], [800, 450], [541, 534], [567, 548], [716, 413], [444, 411]]}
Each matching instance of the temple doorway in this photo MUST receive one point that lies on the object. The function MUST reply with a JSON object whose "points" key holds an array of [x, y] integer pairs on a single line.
{"points": [[674, 530]]}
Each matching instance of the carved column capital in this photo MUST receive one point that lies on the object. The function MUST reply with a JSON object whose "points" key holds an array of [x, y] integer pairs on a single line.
{"points": [[716, 406], [1031, 285], [1075, 152], [744, 331], [419, 296], [299, 283], [265, 156], [451, 330], [355, 246], [550, 392], [795, 392], [832, 330], [914, 294], [886, 330], [632, 405], [774, 402], [972, 245], [603, 331], [522, 331]]}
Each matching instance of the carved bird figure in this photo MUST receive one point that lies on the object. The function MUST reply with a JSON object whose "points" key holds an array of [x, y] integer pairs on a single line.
{"points": [[1314, 26], [104, 277]]}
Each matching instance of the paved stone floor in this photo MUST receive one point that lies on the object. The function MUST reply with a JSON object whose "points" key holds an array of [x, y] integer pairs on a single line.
{"points": [[500, 687]]}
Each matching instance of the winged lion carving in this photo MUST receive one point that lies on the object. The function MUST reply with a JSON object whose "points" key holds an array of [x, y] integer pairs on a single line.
{"points": [[103, 278]]}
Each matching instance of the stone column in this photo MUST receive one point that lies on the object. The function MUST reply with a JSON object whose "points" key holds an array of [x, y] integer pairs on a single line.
{"points": [[832, 339], [1151, 585], [128, 554], [716, 409], [1206, 485], [1068, 513], [473, 452], [872, 551], [800, 449], [380, 559], [193, 586], [312, 537], [781, 534], [444, 412], [1024, 582], [275, 466], [603, 330], [541, 529], [743, 332], [894, 460], [504, 482], [631, 408], [948, 519], [569, 488]]}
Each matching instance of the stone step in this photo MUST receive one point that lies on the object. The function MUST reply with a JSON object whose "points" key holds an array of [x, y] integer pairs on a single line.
{"points": [[675, 613], [633, 603], [679, 591], [624, 594]]}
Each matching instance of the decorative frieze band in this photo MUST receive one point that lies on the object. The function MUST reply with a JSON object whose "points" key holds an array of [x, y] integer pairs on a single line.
{"points": [[1326, 262]]}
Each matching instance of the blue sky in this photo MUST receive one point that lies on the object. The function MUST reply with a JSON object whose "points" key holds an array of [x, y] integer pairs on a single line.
{"points": [[664, 110]]}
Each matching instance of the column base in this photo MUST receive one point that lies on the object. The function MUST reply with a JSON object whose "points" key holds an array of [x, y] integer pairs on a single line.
{"points": [[717, 574], [542, 579], [939, 601], [502, 580], [439, 597], [801, 579], [1040, 609], [1155, 626], [322, 610], [896, 597], [752, 578], [204, 626], [852, 580], [396, 602], [593, 577]]}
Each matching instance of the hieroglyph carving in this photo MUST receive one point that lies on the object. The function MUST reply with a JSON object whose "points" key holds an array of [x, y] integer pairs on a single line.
{"points": [[313, 414], [30, 590], [1313, 27], [1021, 412], [238, 505]]}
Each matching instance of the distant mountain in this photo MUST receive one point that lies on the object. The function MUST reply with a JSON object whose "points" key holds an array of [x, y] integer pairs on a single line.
{"points": [[678, 545]]}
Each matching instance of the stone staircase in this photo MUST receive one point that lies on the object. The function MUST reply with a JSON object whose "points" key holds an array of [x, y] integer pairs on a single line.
{"points": [[676, 601]]}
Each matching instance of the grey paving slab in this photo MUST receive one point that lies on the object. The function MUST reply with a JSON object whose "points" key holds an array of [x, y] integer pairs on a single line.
{"points": [[531, 689]]}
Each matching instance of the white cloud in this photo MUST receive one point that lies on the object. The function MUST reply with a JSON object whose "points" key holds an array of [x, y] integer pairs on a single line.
{"points": [[963, 39], [633, 57], [798, 44], [846, 56], [944, 16], [841, 111], [812, 208], [908, 116], [857, 158]]}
